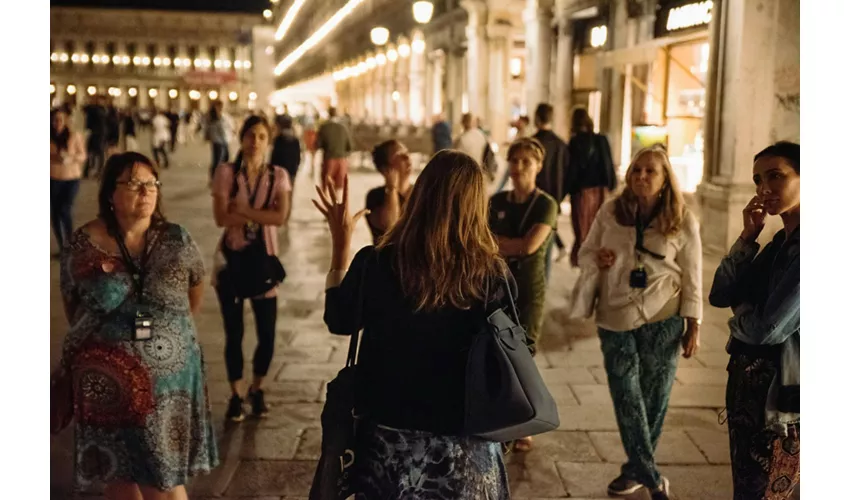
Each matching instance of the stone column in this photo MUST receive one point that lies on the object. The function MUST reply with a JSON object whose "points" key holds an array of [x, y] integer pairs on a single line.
{"points": [[499, 77], [396, 81], [454, 86], [143, 97], [416, 101], [754, 71], [538, 49], [439, 64], [477, 58], [564, 77]]}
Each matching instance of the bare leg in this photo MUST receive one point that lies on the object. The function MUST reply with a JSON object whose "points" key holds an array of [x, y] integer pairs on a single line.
{"points": [[258, 383], [122, 491], [176, 493], [237, 387]]}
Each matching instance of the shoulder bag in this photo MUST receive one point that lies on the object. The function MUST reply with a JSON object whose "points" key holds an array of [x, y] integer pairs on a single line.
{"points": [[506, 398], [334, 476], [251, 272]]}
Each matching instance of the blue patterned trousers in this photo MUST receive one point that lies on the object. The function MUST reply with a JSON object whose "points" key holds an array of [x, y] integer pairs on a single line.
{"points": [[641, 366]]}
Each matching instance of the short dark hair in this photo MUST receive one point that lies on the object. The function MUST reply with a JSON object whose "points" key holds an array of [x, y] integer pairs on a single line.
{"points": [[544, 113], [332, 111], [115, 167], [787, 150], [381, 154], [284, 122]]}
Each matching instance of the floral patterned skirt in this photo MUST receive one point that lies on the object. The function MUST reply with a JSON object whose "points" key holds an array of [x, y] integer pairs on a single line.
{"points": [[396, 464]]}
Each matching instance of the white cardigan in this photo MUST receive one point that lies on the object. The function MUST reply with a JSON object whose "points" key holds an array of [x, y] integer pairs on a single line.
{"points": [[676, 280]]}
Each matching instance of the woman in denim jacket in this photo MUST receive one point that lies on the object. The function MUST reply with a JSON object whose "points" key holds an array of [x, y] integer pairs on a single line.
{"points": [[763, 392]]}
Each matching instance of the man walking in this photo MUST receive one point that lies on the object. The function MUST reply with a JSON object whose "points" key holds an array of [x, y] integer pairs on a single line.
{"points": [[335, 142], [553, 176]]}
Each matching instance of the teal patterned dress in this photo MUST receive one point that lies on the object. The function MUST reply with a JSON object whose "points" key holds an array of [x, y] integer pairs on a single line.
{"points": [[141, 409]]}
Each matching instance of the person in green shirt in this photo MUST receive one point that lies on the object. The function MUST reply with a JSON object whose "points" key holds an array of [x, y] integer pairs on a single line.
{"points": [[523, 221]]}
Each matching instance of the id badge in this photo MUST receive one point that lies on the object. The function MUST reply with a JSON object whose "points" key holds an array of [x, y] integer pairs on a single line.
{"points": [[638, 278], [142, 324]]}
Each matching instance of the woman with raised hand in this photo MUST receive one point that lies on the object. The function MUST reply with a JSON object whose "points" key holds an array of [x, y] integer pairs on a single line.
{"points": [[418, 297]]}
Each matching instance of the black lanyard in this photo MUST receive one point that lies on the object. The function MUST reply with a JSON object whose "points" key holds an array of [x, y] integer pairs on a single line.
{"points": [[137, 272], [640, 228]]}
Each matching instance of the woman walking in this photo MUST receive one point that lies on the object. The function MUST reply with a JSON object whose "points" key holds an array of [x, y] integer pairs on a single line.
{"points": [[644, 257], [590, 176], [131, 282], [763, 391], [423, 290], [250, 201], [67, 155]]}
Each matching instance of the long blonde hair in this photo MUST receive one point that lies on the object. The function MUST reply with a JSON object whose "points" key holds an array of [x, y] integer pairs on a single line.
{"points": [[672, 215], [444, 250]]}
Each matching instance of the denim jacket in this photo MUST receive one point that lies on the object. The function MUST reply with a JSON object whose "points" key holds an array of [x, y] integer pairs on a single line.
{"points": [[770, 316]]}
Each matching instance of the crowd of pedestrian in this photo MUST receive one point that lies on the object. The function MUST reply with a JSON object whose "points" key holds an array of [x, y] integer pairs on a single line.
{"points": [[445, 256]]}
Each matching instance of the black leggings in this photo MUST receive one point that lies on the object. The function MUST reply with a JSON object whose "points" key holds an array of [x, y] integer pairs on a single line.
{"points": [[62, 194], [265, 317]]}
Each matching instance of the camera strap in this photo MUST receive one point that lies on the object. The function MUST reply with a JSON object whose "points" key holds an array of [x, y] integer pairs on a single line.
{"points": [[640, 227]]}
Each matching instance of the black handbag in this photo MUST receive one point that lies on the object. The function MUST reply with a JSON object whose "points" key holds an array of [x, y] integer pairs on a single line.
{"points": [[251, 272], [334, 476], [506, 398]]}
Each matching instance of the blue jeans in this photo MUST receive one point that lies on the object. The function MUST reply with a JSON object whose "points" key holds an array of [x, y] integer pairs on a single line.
{"points": [[62, 195]]}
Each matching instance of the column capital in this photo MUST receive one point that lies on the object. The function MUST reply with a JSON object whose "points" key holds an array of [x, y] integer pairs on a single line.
{"points": [[498, 31], [477, 11]]}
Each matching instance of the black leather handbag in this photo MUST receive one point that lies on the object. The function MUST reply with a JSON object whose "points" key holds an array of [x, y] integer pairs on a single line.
{"points": [[334, 477], [251, 272], [506, 398]]}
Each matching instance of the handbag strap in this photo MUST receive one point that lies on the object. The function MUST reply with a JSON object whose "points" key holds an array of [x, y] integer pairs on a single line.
{"points": [[351, 359]]}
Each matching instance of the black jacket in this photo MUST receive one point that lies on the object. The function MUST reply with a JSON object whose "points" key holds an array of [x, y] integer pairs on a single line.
{"points": [[555, 165], [287, 153], [591, 164]]}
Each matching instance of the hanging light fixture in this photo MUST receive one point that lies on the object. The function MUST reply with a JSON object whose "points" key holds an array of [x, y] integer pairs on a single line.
{"points": [[379, 35], [422, 11]]}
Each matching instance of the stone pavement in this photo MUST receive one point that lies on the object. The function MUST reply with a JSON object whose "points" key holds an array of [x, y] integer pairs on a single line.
{"points": [[275, 457]]}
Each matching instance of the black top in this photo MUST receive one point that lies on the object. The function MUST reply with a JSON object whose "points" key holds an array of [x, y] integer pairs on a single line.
{"points": [[553, 176], [286, 153], [375, 199], [411, 366], [591, 164], [129, 125]]}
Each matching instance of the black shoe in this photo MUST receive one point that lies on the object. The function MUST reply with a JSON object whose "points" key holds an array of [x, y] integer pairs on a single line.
{"points": [[235, 413], [623, 486], [663, 491], [258, 403]]}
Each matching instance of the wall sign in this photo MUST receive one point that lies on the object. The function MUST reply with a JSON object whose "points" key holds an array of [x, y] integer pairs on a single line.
{"points": [[683, 17]]}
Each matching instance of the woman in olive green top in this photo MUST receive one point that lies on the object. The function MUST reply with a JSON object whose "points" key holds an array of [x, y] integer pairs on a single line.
{"points": [[523, 221]]}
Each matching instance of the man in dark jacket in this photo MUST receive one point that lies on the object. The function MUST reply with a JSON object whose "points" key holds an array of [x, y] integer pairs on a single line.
{"points": [[552, 177], [286, 152], [96, 147]]}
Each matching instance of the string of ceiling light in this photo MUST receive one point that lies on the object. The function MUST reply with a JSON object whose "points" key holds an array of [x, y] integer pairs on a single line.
{"points": [[422, 11]]}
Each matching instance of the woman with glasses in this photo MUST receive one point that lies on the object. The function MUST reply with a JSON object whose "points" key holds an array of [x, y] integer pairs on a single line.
{"points": [[131, 282], [641, 269]]}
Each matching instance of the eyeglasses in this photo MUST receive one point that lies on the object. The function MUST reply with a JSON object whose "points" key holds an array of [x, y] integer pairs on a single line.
{"points": [[136, 186]]}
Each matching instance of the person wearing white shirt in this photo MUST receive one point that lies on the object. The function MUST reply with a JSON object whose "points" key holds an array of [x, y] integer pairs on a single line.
{"points": [[472, 141], [161, 137], [641, 270]]}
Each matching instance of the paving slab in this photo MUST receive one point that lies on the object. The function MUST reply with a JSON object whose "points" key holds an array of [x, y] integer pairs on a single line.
{"points": [[674, 447]]}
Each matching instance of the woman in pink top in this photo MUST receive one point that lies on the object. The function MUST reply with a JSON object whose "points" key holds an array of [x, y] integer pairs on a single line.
{"points": [[67, 154], [250, 200]]}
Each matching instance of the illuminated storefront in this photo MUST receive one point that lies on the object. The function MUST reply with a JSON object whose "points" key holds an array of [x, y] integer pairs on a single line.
{"points": [[665, 88]]}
